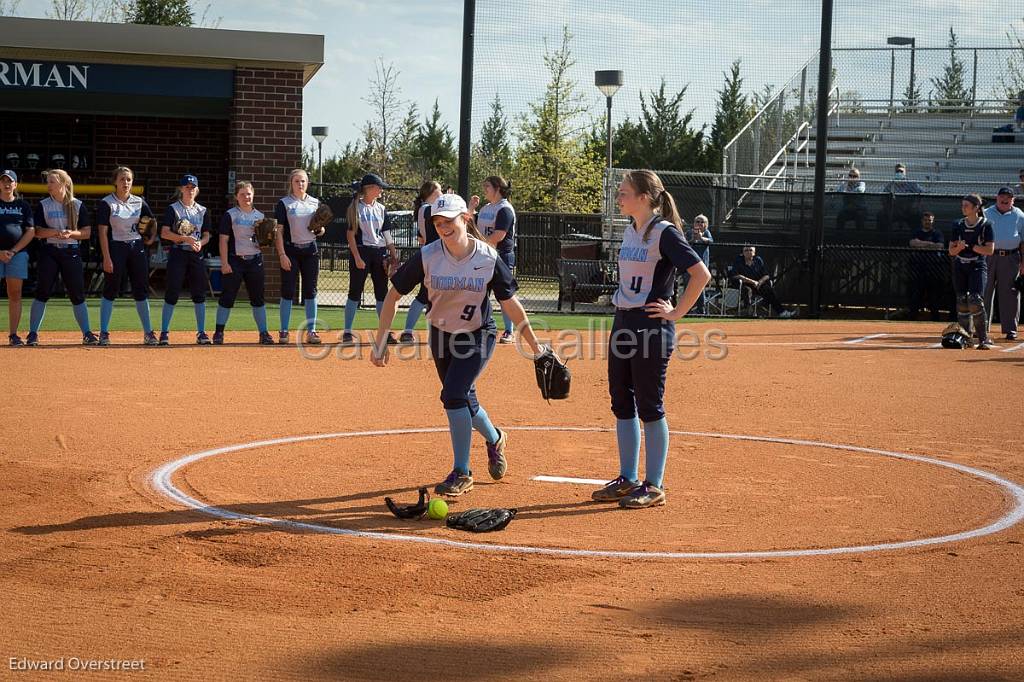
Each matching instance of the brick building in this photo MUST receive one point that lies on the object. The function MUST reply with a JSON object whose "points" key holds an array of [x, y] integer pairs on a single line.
{"points": [[223, 105]]}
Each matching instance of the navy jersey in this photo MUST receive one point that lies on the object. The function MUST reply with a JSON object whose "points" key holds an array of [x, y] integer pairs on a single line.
{"points": [[458, 290], [295, 215], [755, 270], [238, 226], [978, 235], [374, 221], [122, 216], [425, 225], [195, 214], [647, 268], [15, 218], [496, 217], [51, 214]]}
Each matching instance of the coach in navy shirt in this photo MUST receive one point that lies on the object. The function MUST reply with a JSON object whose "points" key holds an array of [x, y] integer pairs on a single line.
{"points": [[752, 275], [927, 265]]}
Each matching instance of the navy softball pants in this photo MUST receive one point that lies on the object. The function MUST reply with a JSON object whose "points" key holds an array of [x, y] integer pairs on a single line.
{"points": [[305, 261], [970, 278], [182, 264], [638, 353], [67, 263], [373, 257], [459, 360], [131, 258], [249, 270]]}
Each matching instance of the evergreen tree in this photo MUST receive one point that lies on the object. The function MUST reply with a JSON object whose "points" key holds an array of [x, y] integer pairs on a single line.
{"points": [[161, 12], [494, 138], [731, 114], [663, 138], [950, 88], [435, 155], [553, 170]]}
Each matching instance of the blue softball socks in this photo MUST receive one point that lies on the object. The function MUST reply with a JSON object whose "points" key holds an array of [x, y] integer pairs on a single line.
{"points": [[656, 438], [286, 314], [627, 433], [165, 317], [106, 312], [259, 314], [35, 319], [200, 310], [416, 309], [142, 308], [222, 316], [81, 312], [482, 424], [351, 307], [460, 426], [310, 304]]}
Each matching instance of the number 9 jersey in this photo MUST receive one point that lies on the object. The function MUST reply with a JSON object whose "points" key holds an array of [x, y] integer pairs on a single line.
{"points": [[458, 290]]}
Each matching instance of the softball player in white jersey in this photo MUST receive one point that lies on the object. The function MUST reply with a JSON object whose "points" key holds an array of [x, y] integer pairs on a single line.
{"points": [[459, 271]]}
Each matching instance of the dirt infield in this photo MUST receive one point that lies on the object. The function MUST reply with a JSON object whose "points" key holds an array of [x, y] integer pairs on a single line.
{"points": [[98, 563]]}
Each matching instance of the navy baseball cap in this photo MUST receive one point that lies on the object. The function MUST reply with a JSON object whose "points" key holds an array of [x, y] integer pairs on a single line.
{"points": [[373, 179], [10, 174], [1005, 190], [189, 180]]}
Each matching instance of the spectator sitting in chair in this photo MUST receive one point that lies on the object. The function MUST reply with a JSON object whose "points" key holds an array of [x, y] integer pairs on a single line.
{"points": [[1019, 187], [750, 272], [855, 205], [699, 237], [902, 201], [1019, 118]]}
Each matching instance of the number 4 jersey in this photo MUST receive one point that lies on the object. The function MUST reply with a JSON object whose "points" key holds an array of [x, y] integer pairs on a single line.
{"points": [[458, 289], [647, 268]]}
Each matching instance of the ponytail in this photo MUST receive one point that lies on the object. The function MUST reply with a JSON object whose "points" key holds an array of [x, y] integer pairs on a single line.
{"points": [[352, 214], [70, 214], [661, 202], [426, 189], [472, 229]]}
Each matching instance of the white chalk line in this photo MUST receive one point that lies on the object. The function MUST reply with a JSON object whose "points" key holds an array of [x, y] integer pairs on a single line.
{"points": [[160, 479], [1012, 349], [862, 339], [569, 479]]}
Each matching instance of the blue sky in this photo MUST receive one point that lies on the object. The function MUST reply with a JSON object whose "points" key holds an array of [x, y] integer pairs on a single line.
{"points": [[686, 41]]}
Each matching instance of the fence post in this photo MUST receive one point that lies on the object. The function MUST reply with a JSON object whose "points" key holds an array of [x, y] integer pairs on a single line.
{"points": [[803, 94], [892, 80], [974, 79]]}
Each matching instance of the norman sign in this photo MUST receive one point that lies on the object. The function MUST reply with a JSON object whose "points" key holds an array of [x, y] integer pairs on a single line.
{"points": [[121, 79], [44, 75]]}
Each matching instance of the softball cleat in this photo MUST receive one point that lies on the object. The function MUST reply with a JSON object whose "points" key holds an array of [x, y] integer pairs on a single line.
{"points": [[456, 484], [497, 465], [614, 490], [644, 495]]}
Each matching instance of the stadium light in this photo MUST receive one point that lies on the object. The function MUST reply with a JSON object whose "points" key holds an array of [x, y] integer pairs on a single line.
{"points": [[608, 82], [903, 41], [320, 134]]}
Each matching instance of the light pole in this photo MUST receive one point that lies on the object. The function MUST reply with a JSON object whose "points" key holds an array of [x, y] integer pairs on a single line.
{"points": [[903, 41], [608, 82], [320, 134]]}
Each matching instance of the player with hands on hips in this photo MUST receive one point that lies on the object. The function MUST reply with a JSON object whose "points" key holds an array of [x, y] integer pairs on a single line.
{"points": [[297, 250], [459, 271], [124, 222], [371, 246], [241, 260], [17, 230], [643, 334], [425, 234], [972, 240], [186, 225], [62, 222], [497, 223]]}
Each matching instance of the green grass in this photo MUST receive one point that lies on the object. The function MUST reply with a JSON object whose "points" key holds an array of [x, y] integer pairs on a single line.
{"points": [[59, 317]]}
